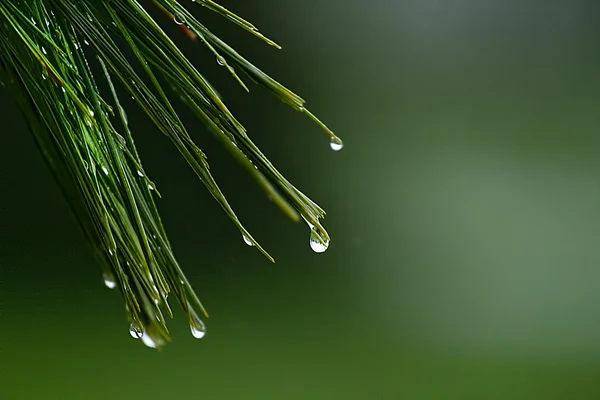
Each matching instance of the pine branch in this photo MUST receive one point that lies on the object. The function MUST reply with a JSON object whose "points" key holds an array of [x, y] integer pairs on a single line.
{"points": [[46, 48]]}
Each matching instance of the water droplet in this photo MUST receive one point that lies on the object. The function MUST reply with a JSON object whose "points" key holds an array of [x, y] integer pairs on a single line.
{"points": [[44, 50], [140, 173], [91, 113], [105, 170], [317, 242], [109, 280], [197, 327], [178, 20], [149, 341], [43, 76], [220, 61], [135, 330], [247, 240], [86, 42], [336, 143]]}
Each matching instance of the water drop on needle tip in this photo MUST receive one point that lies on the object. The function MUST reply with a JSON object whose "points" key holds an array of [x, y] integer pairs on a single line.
{"points": [[336, 144], [318, 245]]}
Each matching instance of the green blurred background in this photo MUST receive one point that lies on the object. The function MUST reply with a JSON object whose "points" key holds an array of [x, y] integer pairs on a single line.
{"points": [[464, 211]]}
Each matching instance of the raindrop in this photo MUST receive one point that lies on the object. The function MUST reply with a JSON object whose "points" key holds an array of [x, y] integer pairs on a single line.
{"points": [[336, 143], [140, 173], [247, 240], [105, 170], [178, 20], [43, 76], [135, 330], [220, 61], [197, 327], [44, 50], [109, 280], [317, 242], [149, 341], [91, 113]]}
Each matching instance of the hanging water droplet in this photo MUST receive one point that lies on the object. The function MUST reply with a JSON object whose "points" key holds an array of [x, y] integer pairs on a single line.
{"points": [[247, 240], [336, 143], [178, 20], [220, 61], [149, 341], [140, 173], [135, 330], [197, 327], [109, 280], [317, 242]]}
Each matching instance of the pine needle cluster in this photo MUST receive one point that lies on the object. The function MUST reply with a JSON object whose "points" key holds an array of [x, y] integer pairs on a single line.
{"points": [[48, 52]]}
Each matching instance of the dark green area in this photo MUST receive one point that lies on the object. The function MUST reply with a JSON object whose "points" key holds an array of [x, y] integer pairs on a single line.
{"points": [[464, 213]]}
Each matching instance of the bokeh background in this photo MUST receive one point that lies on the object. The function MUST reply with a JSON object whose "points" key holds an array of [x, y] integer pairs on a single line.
{"points": [[464, 211]]}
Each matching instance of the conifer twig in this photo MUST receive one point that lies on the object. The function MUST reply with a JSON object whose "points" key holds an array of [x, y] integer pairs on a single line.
{"points": [[47, 48]]}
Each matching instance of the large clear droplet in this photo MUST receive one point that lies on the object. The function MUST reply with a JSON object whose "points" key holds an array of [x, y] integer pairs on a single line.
{"points": [[317, 242], [336, 143], [135, 330], [149, 341], [197, 327], [109, 280], [247, 240]]}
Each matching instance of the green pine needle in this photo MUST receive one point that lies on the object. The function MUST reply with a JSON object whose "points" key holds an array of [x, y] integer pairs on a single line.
{"points": [[46, 48]]}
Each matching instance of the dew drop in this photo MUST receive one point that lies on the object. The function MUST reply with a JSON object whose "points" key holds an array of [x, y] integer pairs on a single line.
{"points": [[317, 242], [44, 50], [247, 240], [178, 20], [105, 170], [220, 61], [109, 280], [149, 341], [140, 173], [135, 330], [197, 327], [336, 143]]}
